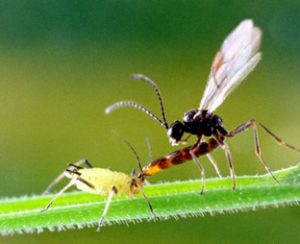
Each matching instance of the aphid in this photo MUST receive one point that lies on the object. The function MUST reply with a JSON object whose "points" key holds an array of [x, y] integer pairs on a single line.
{"points": [[100, 181], [238, 56]]}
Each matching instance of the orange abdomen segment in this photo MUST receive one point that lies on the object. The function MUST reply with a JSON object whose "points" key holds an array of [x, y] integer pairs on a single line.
{"points": [[179, 157]]}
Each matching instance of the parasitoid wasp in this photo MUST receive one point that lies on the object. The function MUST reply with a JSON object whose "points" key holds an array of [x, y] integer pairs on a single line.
{"points": [[237, 57]]}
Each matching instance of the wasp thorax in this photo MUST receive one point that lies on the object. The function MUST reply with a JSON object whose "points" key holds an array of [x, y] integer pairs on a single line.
{"points": [[189, 116], [191, 121], [208, 123], [201, 122]]}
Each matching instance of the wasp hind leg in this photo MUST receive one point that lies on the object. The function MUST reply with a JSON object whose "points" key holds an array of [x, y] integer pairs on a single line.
{"points": [[253, 123], [214, 164], [202, 171], [225, 147]]}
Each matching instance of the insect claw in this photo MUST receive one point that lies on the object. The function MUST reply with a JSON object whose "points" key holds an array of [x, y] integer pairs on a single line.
{"points": [[155, 218], [43, 210], [100, 223]]}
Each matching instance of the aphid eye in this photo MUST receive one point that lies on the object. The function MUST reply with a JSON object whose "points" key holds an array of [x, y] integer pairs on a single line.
{"points": [[176, 130], [133, 184]]}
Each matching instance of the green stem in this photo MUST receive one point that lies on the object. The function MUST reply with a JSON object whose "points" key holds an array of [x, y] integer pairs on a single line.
{"points": [[169, 199]]}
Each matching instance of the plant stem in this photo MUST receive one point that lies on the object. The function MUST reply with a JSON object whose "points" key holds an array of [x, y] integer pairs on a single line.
{"points": [[169, 199]]}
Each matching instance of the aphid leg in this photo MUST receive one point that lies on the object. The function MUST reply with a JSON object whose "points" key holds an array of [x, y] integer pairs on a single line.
{"points": [[62, 175], [66, 187], [149, 204], [113, 192], [258, 153], [86, 182], [53, 183], [214, 164], [201, 169], [134, 184], [71, 183]]}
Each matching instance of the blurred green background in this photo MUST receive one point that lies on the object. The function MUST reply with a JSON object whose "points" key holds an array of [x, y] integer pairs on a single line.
{"points": [[63, 62]]}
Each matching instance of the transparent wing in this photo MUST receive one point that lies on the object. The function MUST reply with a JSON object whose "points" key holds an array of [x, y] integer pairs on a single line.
{"points": [[237, 57]]}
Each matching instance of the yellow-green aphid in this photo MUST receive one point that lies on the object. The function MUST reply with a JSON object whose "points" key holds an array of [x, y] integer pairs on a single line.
{"points": [[104, 179], [99, 181]]}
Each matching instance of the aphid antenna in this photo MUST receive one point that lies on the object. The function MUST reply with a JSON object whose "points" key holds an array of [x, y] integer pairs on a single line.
{"points": [[138, 159], [136, 105]]}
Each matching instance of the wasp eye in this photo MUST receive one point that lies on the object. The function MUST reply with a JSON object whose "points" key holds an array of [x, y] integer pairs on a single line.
{"points": [[176, 130]]}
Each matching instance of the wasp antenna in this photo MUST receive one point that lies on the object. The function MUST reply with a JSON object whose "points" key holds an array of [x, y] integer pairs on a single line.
{"points": [[117, 105], [157, 92], [138, 159]]}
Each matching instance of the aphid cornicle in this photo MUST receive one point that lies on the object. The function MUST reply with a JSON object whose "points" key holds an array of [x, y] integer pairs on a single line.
{"points": [[237, 57], [101, 181]]}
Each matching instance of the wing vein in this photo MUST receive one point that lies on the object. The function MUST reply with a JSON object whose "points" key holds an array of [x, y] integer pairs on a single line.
{"points": [[237, 57]]}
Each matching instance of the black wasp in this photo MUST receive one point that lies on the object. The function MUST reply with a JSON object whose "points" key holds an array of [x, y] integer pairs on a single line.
{"points": [[237, 57]]}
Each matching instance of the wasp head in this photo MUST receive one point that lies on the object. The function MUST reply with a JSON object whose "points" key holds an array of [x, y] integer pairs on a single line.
{"points": [[175, 132]]}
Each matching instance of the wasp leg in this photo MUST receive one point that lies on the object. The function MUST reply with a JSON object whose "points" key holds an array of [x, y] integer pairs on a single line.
{"points": [[61, 176], [201, 169], [214, 164], [276, 138], [210, 158], [113, 192], [225, 147], [230, 165], [253, 123]]}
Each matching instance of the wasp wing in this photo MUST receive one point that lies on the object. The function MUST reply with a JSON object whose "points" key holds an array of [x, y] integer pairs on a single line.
{"points": [[237, 57]]}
